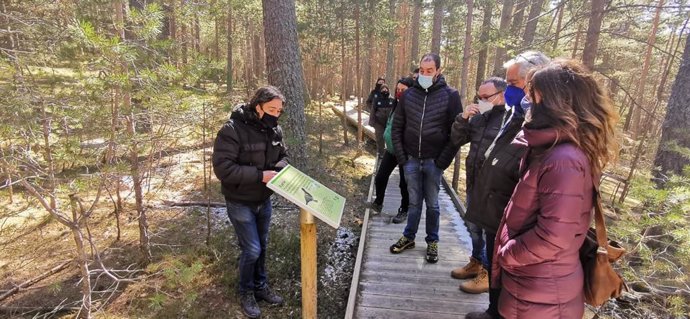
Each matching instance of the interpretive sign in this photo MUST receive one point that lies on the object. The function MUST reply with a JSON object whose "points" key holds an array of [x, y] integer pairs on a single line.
{"points": [[309, 194]]}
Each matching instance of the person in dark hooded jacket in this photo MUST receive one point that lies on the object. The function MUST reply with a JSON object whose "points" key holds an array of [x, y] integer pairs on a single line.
{"points": [[247, 153], [380, 110], [421, 139]]}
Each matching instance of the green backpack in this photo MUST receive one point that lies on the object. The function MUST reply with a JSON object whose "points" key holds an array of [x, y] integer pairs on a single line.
{"points": [[387, 133]]}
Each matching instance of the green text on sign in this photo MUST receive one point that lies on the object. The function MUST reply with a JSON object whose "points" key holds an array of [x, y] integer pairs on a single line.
{"points": [[309, 194]]}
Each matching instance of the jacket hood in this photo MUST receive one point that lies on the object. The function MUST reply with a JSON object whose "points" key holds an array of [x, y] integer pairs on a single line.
{"points": [[244, 113]]}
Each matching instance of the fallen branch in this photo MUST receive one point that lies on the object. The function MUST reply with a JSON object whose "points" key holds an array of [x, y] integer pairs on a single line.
{"points": [[34, 280], [188, 204]]}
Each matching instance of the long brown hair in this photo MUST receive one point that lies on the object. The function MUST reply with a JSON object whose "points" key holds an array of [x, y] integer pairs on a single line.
{"points": [[573, 102]]}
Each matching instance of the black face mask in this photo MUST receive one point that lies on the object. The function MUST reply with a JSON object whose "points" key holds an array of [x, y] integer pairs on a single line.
{"points": [[385, 93], [378, 86], [270, 120]]}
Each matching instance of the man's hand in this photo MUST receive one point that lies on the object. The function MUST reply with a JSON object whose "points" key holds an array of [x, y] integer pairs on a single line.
{"points": [[471, 110], [268, 175]]}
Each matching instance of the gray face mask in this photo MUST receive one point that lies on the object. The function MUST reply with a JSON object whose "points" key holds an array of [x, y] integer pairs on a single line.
{"points": [[425, 81]]}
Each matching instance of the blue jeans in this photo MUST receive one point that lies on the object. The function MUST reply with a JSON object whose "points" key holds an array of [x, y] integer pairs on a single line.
{"points": [[423, 183], [477, 236], [251, 227]]}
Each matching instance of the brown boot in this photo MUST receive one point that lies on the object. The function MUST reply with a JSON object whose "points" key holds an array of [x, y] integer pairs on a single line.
{"points": [[478, 285], [468, 271]]}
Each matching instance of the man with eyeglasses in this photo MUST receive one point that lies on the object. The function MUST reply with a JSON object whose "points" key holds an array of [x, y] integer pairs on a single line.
{"points": [[497, 177], [478, 125]]}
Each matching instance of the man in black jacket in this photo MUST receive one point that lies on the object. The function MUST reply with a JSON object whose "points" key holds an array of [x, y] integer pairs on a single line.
{"points": [[499, 174], [478, 125], [247, 153], [421, 135]]}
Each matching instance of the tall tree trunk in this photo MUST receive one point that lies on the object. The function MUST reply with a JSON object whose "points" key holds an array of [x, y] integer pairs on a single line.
{"points": [[358, 79], [463, 81], [675, 138], [259, 65], [48, 153], [370, 43], [389, 47], [197, 33], [183, 36], [532, 19], [216, 39], [81, 259], [414, 50], [437, 27], [557, 35], [343, 74], [578, 36], [589, 54], [484, 43], [500, 56], [144, 238], [284, 70], [518, 17], [642, 79], [173, 33], [228, 63]]}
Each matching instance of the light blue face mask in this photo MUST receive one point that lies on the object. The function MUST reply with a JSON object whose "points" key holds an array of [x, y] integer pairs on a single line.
{"points": [[525, 104], [425, 81]]}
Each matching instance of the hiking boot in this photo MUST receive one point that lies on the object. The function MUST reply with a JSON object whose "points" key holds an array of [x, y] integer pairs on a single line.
{"points": [[249, 306], [375, 207], [400, 217], [478, 315], [269, 296], [478, 285], [432, 252], [402, 244], [468, 271]]}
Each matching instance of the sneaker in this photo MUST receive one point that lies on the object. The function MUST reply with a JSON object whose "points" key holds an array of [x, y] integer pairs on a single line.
{"points": [[376, 208], [470, 270], [432, 252], [400, 217], [249, 306], [479, 315], [269, 296], [402, 244], [478, 285]]}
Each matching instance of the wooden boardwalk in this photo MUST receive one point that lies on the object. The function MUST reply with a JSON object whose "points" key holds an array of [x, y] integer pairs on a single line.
{"points": [[405, 285]]}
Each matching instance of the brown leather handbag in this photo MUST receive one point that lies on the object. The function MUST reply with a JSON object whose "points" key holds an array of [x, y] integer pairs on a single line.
{"points": [[597, 253]]}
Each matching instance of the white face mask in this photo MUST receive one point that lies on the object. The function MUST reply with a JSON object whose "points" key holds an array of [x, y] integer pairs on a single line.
{"points": [[484, 106]]}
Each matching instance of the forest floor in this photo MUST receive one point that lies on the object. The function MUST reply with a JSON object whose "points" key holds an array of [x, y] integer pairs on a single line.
{"points": [[188, 278]]}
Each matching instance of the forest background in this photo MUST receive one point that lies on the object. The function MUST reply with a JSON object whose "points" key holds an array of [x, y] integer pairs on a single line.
{"points": [[108, 110]]}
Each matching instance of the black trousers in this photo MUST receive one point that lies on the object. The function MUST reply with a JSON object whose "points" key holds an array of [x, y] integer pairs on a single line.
{"points": [[493, 293], [386, 167]]}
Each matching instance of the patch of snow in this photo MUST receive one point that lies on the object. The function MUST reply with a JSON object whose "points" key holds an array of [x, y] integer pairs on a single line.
{"points": [[340, 256]]}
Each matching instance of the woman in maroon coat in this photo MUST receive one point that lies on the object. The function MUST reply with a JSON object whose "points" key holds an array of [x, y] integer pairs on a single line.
{"points": [[570, 137]]}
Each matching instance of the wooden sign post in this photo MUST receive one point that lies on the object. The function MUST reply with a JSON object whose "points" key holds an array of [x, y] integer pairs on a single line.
{"points": [[313, 199], [308, 254]]}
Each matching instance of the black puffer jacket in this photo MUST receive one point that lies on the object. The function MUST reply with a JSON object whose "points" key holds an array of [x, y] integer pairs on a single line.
{"points": [[244, 148], [480, 132], [422, 123], [496, 180], [382, 108]]}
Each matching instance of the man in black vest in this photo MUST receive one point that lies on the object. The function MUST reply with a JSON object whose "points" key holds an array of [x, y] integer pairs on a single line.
{"points": [[421, 135]]}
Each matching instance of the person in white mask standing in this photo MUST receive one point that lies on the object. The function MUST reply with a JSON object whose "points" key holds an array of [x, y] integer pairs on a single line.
{"points": [[421, 139], [478, 125]]}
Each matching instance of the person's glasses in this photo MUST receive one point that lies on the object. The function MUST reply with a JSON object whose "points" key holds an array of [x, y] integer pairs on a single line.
{"points": [[478, 97], [526, 59]]}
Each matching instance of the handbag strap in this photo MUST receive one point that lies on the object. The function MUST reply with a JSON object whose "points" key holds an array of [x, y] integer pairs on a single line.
{"points": [[599, 225]]}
